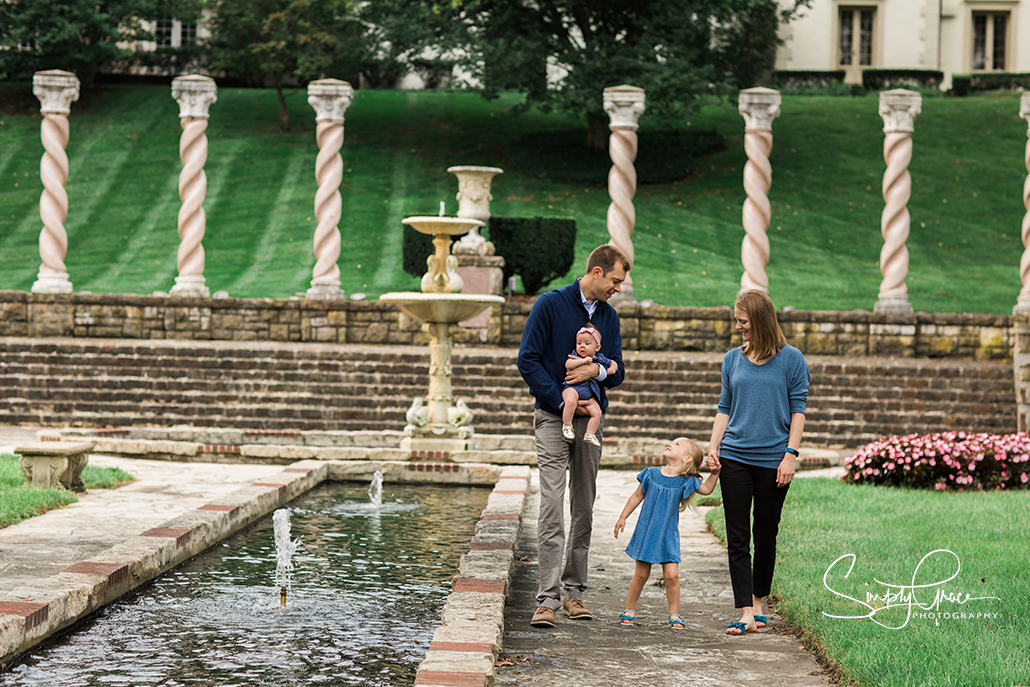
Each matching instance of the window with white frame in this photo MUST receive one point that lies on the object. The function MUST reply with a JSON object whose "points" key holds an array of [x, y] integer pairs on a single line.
{"points": [[990, 40]]}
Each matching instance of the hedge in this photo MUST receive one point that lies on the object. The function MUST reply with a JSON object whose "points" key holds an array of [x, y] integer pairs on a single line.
{"points": [[963, 84], [807, 79], [886, 79], [538, 249]]}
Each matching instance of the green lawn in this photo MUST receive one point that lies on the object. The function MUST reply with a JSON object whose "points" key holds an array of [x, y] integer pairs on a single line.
{"points": [[19, 501], [967, 638], [966, 205]]}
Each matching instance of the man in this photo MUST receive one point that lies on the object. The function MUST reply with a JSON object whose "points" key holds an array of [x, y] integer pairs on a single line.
{"points": [[549, 337]]}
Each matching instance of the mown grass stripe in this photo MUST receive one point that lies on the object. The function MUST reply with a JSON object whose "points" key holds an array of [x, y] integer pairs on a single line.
{"points": [[269, 244]]}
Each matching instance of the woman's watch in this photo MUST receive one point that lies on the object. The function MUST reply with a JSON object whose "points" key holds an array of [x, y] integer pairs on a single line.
{"points": [[793, 452]]}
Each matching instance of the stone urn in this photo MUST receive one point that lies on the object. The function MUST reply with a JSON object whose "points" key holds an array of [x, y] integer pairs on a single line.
{"points": [[474, 203]]}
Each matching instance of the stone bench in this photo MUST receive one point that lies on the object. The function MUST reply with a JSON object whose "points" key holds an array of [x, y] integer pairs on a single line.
{"points": [[55, 464]]}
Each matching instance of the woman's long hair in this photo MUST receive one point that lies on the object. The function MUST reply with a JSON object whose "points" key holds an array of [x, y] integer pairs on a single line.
{"points": [[766, 337]]}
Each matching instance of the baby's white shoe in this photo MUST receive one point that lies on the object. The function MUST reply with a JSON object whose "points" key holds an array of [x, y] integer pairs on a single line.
{"points": [[591, 439], [568, 432]]}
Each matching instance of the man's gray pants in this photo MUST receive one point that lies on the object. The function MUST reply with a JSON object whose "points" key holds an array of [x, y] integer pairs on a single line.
{"points": [[555, 456]]}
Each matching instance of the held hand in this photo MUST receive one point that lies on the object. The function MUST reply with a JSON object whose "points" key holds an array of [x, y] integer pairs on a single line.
{"points": [[580, 374], [785, 472], [713, 460]]}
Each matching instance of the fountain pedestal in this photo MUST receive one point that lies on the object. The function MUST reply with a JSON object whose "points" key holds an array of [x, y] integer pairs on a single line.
{"points": [[438, 422]]}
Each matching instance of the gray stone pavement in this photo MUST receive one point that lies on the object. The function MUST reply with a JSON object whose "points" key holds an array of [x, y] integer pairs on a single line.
{"points": [[600, 652]]}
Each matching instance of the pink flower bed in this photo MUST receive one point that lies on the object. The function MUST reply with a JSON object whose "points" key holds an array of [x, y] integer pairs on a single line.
{"points": [[948, 461]]}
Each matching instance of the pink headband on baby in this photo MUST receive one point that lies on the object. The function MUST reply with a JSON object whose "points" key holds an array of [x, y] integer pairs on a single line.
{"points": [[592, 332]]}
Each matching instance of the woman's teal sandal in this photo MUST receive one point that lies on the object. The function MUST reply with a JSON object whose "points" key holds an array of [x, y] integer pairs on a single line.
{"points": [[626, 619], [676, 622]]}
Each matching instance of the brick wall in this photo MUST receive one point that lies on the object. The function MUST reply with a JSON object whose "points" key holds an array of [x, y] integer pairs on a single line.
{"points": [[857, 333]]}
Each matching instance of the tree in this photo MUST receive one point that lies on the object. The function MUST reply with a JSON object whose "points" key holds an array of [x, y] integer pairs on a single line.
{"points": [[281, 42], [399, 36], [75, 35], [562, 53]]}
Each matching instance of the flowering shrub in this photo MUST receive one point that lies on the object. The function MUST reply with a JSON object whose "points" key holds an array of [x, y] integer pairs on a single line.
{"points": [[949, 461]]}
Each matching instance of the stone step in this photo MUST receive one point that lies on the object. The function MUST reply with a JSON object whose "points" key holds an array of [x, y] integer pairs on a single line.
{"points": [[318, 387], [14, 376]]}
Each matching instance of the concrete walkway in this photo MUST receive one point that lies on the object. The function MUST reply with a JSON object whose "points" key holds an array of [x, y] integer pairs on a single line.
{"points": [[600, 652]]}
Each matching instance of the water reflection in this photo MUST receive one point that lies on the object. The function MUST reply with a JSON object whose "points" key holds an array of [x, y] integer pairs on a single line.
{"points": [[368, 587]]}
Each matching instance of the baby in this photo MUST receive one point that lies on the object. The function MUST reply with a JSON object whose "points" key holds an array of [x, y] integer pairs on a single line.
{"points": [[585, 395]]}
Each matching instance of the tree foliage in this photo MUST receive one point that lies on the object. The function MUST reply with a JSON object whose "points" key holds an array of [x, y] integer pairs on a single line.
{"points": [[75, 35], [281, 43], [562, 53]]}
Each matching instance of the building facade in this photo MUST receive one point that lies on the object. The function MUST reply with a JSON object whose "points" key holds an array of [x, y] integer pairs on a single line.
{"points": [[951, 36]]}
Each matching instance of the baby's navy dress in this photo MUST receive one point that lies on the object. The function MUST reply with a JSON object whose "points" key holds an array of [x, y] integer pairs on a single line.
{"points": [[656, 537], [589, 389]]}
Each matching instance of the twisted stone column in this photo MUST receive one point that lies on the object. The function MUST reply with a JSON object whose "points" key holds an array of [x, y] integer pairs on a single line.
{"points": [[899, 108], [1022, 307], [624, 105], [56, 91], [195, 94], [330, 98], [759, 107]]}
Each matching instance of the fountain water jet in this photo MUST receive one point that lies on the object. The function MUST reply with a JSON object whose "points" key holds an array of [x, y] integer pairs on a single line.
{"points": [[441, 424], [284, 549], [375, 491]]}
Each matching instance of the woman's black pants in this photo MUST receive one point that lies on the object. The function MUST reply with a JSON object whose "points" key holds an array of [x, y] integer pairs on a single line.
{"points": [[743, 484]]}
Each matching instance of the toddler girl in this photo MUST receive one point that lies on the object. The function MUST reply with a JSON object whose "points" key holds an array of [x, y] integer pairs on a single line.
{"points": [[585, 394], [665, 491]]}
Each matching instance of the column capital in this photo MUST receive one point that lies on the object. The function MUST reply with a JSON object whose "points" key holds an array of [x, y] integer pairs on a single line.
{"points": [[330, 98], [759, 107], [195, 94], [1024, 107], [56, 90], [624, 105], [899, 109]]}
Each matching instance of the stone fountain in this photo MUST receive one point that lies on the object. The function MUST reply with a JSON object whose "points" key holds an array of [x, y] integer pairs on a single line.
{"points": [[438, 422]]}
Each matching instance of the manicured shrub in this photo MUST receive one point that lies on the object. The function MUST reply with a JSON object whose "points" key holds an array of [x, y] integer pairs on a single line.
{"points": [[948, 461], [994, 81], [961, 84], [886, 79], [800, 80], [538, 249]]}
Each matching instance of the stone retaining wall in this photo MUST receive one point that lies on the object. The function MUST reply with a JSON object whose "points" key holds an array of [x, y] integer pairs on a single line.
{"points": [[857, 333]]}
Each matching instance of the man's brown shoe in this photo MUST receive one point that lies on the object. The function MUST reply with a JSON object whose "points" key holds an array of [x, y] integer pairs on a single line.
{"points": [[576, 610], [544, 617]]}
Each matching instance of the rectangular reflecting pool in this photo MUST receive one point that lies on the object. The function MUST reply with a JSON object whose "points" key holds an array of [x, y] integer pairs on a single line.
{"points": [[368, 588]]}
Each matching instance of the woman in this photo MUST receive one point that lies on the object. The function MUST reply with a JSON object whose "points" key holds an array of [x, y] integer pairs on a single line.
{"points": [[755, 441]]}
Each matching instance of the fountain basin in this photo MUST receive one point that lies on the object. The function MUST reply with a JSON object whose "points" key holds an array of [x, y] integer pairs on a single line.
{"points": [[442, 225], [442, 308]]}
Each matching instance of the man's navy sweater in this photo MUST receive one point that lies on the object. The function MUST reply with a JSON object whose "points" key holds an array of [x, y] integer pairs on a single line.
{"points": [[550, 334]]}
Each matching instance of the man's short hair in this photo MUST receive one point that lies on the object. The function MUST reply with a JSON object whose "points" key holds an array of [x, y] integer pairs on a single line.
{"points": [[605, 257]]}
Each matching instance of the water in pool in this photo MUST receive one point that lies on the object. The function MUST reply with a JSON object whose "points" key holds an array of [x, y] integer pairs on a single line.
{"points": [[368, 585]]}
